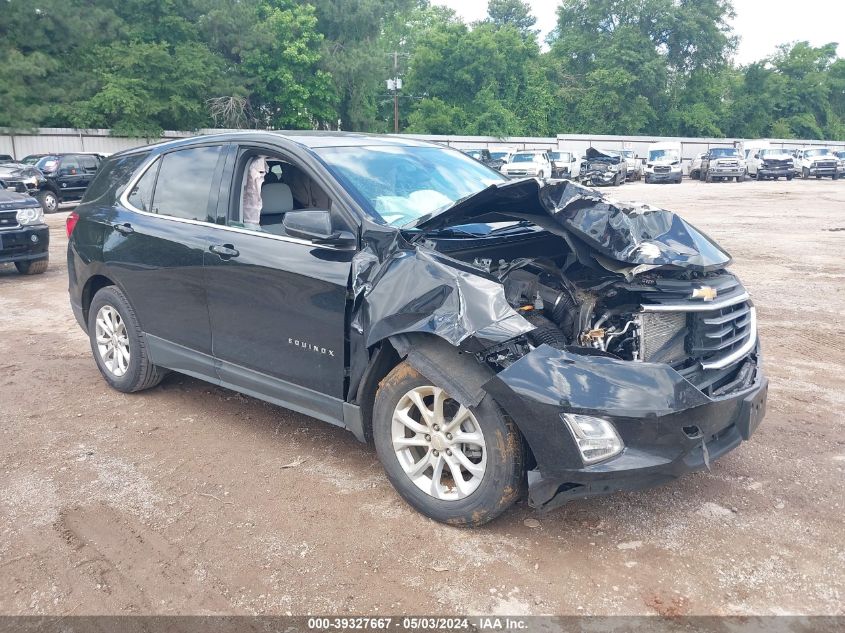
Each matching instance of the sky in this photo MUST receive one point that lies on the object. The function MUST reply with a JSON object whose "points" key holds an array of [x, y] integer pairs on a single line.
{"points": [[761, 24]]}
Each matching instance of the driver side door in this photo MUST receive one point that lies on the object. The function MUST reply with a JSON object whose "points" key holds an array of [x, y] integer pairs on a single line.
{"points": [[277, 304]]}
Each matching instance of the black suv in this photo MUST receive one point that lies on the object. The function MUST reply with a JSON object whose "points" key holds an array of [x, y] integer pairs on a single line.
{"points": [[484, 333], [24, 235], [66, 176]]}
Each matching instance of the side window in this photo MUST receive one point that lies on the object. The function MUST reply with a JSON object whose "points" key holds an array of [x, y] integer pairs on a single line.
{"points": [[269, 186], [69, 165], [141, 196], [186, 181], [88, 163]]}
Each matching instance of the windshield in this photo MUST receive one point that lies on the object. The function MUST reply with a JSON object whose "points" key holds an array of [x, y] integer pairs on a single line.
{"points": [[499, 155], [771, 152], [402, 184], [817, 152], [31, 160], [46, 163], [663, 154], [724, 152], [523, 158], [628, 153], [475, 153]]}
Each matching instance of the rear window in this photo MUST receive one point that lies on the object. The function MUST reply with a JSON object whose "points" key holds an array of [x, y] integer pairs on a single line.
{"points": [[185, 182], [113, 176]]}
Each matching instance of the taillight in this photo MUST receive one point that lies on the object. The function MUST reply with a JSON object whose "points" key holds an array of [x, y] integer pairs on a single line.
{"points": [[70, 224]]}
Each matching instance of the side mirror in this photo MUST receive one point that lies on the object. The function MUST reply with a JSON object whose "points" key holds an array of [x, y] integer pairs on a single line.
{"points": [[315, 225]]}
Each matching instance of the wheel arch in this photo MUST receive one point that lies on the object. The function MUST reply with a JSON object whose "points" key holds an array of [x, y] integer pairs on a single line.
{"points": [[459, 372], [92, 286]]}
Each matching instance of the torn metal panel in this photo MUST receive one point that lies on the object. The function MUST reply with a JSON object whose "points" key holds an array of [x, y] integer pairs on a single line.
{"points": [[630, 233], [420, 290]]}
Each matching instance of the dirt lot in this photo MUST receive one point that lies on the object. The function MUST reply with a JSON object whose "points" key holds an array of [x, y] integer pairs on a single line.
{"points": [[193, 499]]}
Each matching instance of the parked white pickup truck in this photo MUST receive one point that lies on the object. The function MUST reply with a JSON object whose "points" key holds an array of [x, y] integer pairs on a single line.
{"points": [[769, 162], [818, 162]]}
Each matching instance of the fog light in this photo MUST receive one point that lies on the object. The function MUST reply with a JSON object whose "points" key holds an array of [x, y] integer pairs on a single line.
{"points": [[34, 239], [596, 438]]}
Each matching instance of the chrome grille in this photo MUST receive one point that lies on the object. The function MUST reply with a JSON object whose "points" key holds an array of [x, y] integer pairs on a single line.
{"points": [[825, 164], [718, 332], [662, 169]]}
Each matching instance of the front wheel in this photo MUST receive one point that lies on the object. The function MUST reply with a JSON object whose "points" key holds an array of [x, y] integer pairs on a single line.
{"points": [[119, 344], [455, 464], [48, 200], [805, 173], [708, 177], [32, 267]]}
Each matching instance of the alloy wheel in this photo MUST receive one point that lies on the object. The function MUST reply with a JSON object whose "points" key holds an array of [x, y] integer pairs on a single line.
{"points": [[438, 443], [112, 340]]}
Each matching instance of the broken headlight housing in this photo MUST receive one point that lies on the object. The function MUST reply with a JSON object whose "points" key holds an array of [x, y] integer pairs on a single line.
{"points": [[596, 438]]}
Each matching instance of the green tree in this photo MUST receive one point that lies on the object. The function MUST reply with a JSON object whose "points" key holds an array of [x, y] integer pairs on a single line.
{"points": [[515, 13]]}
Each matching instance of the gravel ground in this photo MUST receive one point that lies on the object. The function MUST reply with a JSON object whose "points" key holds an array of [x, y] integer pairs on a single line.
{"points": [[193, 499]]}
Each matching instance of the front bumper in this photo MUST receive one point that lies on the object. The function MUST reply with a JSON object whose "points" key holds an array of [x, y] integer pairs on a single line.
{"points": [[25, 243], [823, 171], [664, 176], [776, 171], [599, 178], [669, 427], [730, 172]]}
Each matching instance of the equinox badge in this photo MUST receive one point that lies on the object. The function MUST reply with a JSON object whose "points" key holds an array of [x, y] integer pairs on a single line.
{"points": [[707, 293]]}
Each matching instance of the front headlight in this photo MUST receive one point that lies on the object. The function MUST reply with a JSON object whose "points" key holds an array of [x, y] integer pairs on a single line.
{"points": [[612, 167], [596, 438], [30, 216]]}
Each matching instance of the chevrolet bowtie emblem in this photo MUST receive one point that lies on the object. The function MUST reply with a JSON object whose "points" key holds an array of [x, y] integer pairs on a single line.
{"points": [[705, 292]]}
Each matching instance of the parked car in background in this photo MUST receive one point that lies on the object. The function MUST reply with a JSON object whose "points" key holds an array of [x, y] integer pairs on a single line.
{"points": [[482, 338], [841, 157], [7, 158], [483, 155], [565, 164], [22, 178], [502, 154], [722, 163], [664, 163], [67, 176], [24, 235], [534, 162], [771, 162], [634, 164], [817, 161], [695, 166], [603, 167]]}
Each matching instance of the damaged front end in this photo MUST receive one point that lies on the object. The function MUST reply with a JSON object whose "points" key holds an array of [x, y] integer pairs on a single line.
{"points": [[611, 334], [602, 168]]}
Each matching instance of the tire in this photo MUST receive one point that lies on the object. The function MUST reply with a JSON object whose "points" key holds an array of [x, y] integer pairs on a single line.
{"points": [[789, 178], [708, 177], [484, 497], [647, 180], [805, 173], [759, 176], [48, 200], [32, 267], [695, 175], [139, 372]]}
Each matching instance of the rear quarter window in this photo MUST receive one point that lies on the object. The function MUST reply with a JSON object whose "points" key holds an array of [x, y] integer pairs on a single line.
{"points": [[113, 177]]}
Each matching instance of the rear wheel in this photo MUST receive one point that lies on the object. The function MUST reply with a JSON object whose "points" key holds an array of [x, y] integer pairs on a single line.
{"points": [[805, 173], [32, 267], [458, 465], [119, 344]]}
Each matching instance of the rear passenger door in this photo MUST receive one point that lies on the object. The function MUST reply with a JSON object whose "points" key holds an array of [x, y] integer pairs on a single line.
{"points": [[155, 248], [278, 303]]}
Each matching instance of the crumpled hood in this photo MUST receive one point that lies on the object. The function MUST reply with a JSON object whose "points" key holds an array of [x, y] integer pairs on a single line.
{"points": [[638, 235], [594, 155]]}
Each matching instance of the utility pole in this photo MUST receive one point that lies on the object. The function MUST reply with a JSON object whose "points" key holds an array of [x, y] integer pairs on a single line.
{"points": [[396, 93], [395, 85]]}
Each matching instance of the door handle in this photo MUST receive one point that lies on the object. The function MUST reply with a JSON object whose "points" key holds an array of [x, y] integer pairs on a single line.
{"points": [[123, 229], [226, 251]]}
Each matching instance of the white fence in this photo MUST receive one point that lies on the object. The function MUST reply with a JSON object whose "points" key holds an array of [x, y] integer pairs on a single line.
{"points": [[46, 140]]}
